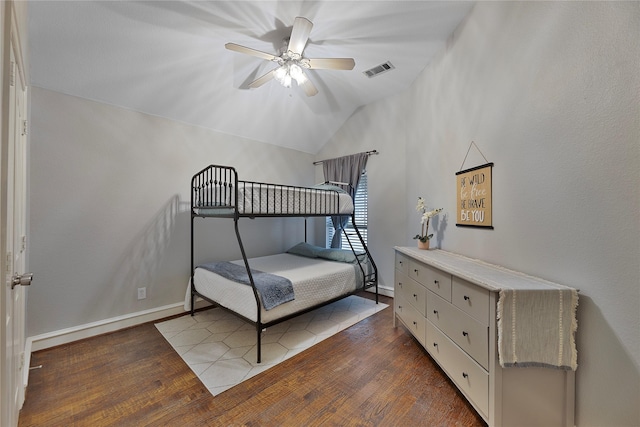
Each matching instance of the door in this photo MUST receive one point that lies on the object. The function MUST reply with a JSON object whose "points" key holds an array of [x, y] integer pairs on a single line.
{"points": [[14, 213]]}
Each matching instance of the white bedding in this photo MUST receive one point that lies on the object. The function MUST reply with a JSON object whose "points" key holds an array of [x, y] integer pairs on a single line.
{"points": [[314, 281], [277, 199]]}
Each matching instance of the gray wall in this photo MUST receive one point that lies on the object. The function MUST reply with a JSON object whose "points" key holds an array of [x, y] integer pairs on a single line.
{"points": [[109, 208], [549, 91]]}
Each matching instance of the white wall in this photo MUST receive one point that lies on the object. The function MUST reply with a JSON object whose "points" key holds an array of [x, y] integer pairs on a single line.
{"points": [[550, 92], [110, 208]]}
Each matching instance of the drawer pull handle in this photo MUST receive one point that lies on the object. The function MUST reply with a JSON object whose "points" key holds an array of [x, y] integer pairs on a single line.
{"points": [[466, 298], [435, 344], [437, 283], [400, 284], [465, 375], [399, 307], [415, 296], [435, 311], [415, 270], [465, 333], [400, 262], [415, 323]]}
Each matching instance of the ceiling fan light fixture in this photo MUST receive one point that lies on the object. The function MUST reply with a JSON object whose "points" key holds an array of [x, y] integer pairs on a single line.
{"points": [[291, 62], [296, 72], [288, 71], [280, 72], [283, 75]]}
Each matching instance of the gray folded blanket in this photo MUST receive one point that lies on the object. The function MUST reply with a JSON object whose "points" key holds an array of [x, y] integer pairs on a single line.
{"points": [[274, 290]]}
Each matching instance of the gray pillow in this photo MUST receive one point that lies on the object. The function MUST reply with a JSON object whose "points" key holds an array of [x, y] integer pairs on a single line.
{"points": [[341, 255], [305, 249]]}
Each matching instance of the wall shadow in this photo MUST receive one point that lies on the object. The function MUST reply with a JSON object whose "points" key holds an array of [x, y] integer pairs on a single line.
{"points": [[141, 261]]}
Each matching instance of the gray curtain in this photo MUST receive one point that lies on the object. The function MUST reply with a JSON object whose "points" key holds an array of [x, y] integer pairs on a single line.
{"points": [[344, 169]]}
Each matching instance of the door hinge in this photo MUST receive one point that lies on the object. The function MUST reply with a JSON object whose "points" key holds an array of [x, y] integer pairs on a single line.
{"points": [[12, 74], [9, 263], [24, 128]]}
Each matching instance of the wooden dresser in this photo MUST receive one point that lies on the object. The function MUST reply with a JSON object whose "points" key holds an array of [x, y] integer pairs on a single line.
{"points": [[449, 307]]}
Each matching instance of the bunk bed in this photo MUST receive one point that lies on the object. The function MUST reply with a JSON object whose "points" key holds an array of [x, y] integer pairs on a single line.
{"points": [[265, 291]]}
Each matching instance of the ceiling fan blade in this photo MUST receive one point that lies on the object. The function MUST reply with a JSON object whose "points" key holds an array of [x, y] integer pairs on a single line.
{"points": [[249, 51], [299, 34], [262, 80], [332, 64], [309, 88]]}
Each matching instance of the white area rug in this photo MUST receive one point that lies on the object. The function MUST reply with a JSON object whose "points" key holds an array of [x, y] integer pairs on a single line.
{"points": [[220, 348]]}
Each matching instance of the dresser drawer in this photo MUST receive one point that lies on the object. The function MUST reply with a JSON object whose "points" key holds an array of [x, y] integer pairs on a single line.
{"points": [[470, 378], [418, 271], [435, 280], [472, 299], [417, 295], [439, 283], [402, 263], [412, 319], [411, 291], [471, 335], [401, 285]]}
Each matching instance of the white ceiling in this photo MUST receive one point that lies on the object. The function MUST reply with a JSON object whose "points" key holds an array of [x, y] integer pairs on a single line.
{"points": [[168, 59]]}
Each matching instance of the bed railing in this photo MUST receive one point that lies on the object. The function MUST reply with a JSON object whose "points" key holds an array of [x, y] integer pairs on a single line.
{"points": [[215, 187], [216, 191]]}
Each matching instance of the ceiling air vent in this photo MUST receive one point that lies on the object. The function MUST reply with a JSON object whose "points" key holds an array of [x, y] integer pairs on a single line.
{"points": [[379, 69]]}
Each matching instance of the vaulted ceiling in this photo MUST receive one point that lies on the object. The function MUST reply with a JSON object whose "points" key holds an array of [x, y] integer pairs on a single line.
{"points": [[168, 59]]}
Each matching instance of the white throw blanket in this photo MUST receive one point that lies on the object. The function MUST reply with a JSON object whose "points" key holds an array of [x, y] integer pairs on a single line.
{"points": [[537, 328]]}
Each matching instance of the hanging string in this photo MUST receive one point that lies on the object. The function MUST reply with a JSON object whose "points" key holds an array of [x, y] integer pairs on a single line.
{"points": [[469, 149]]}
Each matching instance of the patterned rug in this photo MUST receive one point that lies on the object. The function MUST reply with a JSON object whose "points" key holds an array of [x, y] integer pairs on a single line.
{"points": [[221, 348]]}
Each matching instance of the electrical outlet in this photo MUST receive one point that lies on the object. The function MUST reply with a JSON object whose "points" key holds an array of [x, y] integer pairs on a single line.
{"points": [[142, 293]]}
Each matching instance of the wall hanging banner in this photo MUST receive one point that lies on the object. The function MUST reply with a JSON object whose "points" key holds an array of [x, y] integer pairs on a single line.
{"points": [[473, 187], [474, 197]]}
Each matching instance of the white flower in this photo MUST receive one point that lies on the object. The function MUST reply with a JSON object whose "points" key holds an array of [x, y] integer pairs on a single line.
{"points": [[430, 214], [424, 219]]}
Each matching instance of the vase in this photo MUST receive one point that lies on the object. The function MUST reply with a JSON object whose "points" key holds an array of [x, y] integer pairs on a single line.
{"points": [[423, 245]]}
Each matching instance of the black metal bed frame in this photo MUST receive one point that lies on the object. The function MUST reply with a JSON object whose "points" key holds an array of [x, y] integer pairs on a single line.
{"points": [[214, 194]]}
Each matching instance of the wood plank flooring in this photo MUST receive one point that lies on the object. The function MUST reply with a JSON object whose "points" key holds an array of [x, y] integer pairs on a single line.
{"points": [[371, 374]]}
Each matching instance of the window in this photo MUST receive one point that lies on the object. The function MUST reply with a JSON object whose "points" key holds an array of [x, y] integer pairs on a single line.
{"points": [[361, 205]]}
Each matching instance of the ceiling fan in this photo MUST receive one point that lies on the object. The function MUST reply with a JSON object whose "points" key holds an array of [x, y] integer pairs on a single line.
{"points": [[291, 63]]}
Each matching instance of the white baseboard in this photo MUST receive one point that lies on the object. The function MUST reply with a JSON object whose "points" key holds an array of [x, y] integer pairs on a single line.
{"points": [[65, 336], [382, 291]]}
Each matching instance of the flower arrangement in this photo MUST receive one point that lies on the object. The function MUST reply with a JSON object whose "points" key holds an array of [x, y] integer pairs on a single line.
{"points": [[424, 219]]}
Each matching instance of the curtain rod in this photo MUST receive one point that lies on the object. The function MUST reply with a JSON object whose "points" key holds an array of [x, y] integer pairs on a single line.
{"points": [[368, 153]]}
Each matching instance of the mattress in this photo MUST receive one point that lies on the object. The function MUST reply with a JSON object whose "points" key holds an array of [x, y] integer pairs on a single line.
{"points": [[314, 281], [272, 199]]}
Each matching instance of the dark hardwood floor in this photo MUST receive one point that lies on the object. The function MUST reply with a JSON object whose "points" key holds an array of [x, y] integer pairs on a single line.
{"points": [[371, 374]]}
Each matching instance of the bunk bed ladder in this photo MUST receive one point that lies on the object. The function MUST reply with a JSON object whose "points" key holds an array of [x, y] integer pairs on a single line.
{"points": [[367, 278]]}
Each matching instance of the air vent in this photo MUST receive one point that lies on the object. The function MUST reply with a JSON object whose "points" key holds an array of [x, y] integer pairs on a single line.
{"points": [[379, 69]]}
